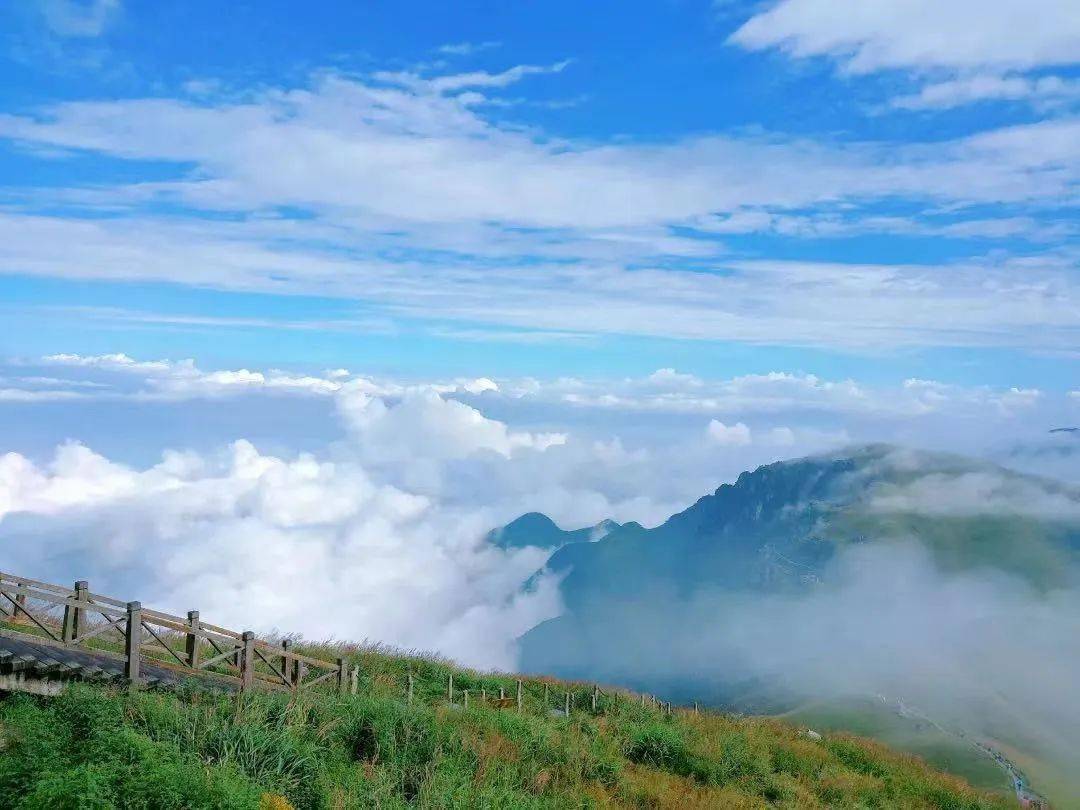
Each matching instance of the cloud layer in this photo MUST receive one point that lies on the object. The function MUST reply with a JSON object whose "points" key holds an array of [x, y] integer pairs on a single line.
{"points": [[408, 191], [318, 545]]}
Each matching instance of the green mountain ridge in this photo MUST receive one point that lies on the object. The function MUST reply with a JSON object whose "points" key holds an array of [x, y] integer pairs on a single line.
{"points": [[635, 600], [779, 526]]}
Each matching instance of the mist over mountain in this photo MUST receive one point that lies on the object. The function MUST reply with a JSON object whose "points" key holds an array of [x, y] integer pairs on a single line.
{"points": [[935, 580], [778, 528]]}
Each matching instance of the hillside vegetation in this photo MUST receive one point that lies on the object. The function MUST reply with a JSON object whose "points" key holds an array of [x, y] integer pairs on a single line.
{"points": [[102, 747]]}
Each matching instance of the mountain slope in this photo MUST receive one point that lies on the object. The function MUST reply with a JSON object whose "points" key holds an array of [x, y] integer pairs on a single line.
{"points": [[944, 581], [100, 747], [779, 527]]}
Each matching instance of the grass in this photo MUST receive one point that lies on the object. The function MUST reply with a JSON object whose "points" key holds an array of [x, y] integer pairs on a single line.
{"points": [[104, 747], [870, 718]]}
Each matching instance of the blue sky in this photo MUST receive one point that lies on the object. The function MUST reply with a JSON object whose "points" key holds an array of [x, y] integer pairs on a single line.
{"points": [[491, 188]]}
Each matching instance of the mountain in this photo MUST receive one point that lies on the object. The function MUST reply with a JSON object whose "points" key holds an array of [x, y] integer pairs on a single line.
{"points": [[778, 528], [535, 529], [933, 581]]}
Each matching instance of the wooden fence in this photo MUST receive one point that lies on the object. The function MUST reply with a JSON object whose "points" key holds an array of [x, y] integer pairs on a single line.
{"points": [[70, 617], [144, 636]]}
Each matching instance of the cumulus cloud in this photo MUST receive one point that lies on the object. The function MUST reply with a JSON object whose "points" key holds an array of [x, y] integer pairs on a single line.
{"points": [[347, 541], [387, 517], [781, 411], [724, 435], [424, 425], [302, 544]]}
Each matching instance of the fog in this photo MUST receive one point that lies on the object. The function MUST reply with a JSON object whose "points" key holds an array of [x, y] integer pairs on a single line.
{"points": [[979, 651]]}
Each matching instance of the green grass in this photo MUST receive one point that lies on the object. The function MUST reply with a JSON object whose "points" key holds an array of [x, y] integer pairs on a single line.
{"points": [[870, 718], [102, 747]]}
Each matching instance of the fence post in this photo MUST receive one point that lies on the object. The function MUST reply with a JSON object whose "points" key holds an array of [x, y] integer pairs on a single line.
{"points": [[450, 687], [247, 660], [545, 696], [695, 707], [191, 640], [502, 693], [466, 693], [73, 614], [342, 670], [132, 642], [288, 671], [20, 603], [409, 696], [566, 704], [595, 696], [519, 700], [354, 686]]}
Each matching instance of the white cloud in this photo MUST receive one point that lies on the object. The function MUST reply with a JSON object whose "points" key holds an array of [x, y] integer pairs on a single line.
{"points": [[737, 435], [781, 436], [120, 362], [871, 36], [389, 514], [556, 236], [423, 157], [302, 544], [423, 425], [666, 390], [466, 48], [979, 493], [169, 379], [385, 519], [461, 81], [76, 476], [1041, 90], [36, 395], [1024, 302], [941, 646]]}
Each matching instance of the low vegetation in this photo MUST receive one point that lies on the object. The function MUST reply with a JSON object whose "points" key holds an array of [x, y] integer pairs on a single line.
{"points": [[103, 747]]}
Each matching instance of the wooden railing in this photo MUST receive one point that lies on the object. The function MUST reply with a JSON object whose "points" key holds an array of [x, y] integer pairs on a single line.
{"points": [[198, 647], [72, 617]]}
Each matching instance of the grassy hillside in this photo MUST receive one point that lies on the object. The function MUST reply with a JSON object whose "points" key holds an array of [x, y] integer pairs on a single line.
{"points": [[872, 719], [98, 747]]}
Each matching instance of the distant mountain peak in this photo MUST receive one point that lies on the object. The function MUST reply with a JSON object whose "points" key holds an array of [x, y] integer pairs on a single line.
{"points": [[538, 530]]}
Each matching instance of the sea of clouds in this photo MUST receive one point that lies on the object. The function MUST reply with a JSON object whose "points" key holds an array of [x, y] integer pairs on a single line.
{"points": [[334, 504]]}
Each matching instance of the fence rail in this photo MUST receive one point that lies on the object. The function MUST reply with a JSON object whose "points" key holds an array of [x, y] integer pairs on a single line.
{"points": [[71, 617], [187, 643]]}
